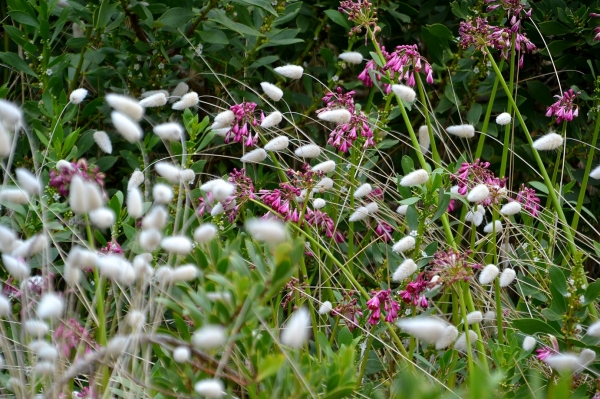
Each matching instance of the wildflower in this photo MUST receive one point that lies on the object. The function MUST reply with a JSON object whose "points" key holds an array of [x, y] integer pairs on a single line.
{"points": [[103, 217], [488, 274], [464, 131], [564, 109], [169, 131], [470, 175], [530, 201], [188, 100], [404, 62], [513, 8], [184, 273], [126, 106], [335, 115], [452, 266], [269, 231], [491, 227], [474, 317], [586, 357], [150, 93], [415, 178], [272, 91], [323, 222], [296, 330], [390, 306], [529, 343], [178, 91], [548, 142], [449, 336], [103, 141], [349, 310], [180, 245], [319, 203], [503, 119], [5, 306], [272, 120], [211, 388], [279, 143], [290, 71], [461, 342], [563, 362], [134, 202], [405, 270], [478, 193], [424, 139], [428, 329], [325, 184], [360, 214], [507, 277], [413, 294], [351, 57], [405, 244], [169, 171], [405, 93], [182, 354], [155, 100], [362, 191], [205, 233], [244, 116], [255, 156], [78, 95]]}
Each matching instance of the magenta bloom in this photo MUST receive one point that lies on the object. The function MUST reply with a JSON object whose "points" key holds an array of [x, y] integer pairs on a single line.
{"points": [[470, 175], [349, 310], [529, 200], [362, 14], [244, 192], [564, 109], [61, 179], [70, 334], [597, 33], [390, 306], [452, 266], [513, 8], [384, 230], [413, 294], [112, 247], [323, 222], [241, 132], [280, 200], [404, 62]]}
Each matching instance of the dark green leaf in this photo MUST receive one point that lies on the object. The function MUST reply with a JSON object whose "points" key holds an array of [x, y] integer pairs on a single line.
{"points": [[12, 60], [24, 18], [554, 28], [213, 36], [338, 18], [535, 326], [176, 17]]}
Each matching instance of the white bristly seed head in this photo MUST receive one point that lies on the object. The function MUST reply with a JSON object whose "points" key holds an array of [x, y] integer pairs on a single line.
{"points": [[563, 362], [319, 203], [351, 57], [405, 244], [372, 207], [325, 184], [424, 139], [187, 101], [405, 270], [474, 217], [155, 100], [5, 142], [72, 274], [210, 388], [182, 354], [126, 105], [363, 190], [401, 210], [184, 273], [335, 115], [168, 171], [269, 231], [461, 342], [178, 91], [428, 329], [221, 132], [93, 196], [290, 71], [14, 195], [156, 218], [529, 343], [77, 194], [325, 308], [404, 92], [548, 142], [103, 141], [77, 96], [135, 206], [491, 227], [359, 214], [464, 131], [586, 357], [36, 328], [478, 193], [507, 277], [217, 210], [511, 208], [593, 329], [171, 131], [136, 179], [450, 335], [488, 274], [150, 93], [222, 189], [503, 119], [595, 174], [103, 218], [7, 239], [205, 233], [51, 306], [116, 268], [28, 181], [474, 317], [279, 143], [209, 337], [489, 316], [255, 156], [4, 306], [295, 332], [224, 119], [415, 178], [180, 245], [272, 91], [162, 193], [150, 239], [273, 119], [308, 151], [11, 116], [325, 167], [130, 130], [136, 320]]}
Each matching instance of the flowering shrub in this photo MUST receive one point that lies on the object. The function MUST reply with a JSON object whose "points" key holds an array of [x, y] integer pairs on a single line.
{"points": [[246, 199]]}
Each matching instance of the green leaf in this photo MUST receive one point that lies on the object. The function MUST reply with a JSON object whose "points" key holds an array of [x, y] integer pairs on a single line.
{"points": [[290, 13], [440, 31], [554, 28], [269, 366], [176, 17], [24, 18], [535, 326], [338, 18], [591, 293], [103, 14], [220, 17], [444, 201], [558, 280], [106, 162], [264, 4], [410, 201], [345, 337], [214, 36], [407, 164], [13, 61], [474, 114]]}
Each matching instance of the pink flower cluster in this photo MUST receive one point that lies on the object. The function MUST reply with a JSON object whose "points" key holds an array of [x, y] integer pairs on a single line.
{"points": [[281, 200], [362, 14], [348, 309], [564, 109], [323, 222], [452, 266], [61, 179], [470, 175], [345, 134], [390, 306], [241, 132], [70, 335], [244, 192], [112, 247], [513, 8], [529, 200], [413, 294]]}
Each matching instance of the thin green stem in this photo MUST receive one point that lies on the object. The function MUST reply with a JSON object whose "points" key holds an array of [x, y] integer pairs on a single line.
{"points": [[434, 152], [508, 128], [363, 365]]}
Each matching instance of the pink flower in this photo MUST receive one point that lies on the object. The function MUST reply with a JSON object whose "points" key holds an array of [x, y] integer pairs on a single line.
{"points": [[413, 292], [404, 62], [530, 201], [452, 266], [112, 247], [384, 230], [70, 334], [362, 14], [469, 175], [241, 132], [61, 179], [564, 109], [390, 306]]}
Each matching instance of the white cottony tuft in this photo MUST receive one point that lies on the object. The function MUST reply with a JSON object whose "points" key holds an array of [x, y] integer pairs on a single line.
{"points": [[209, 337], [134, 202], [150, 93], [11, 116], [211, 388], [404, 92], [478, 193], [130, 130], [563, 362], [325, 167], [428, 329], [187, 101], [117, 268], [548, 142], [103, 218], [162, 193], [295, 332], [336, 115], [224, 119], [51, 306], [77, 96], [360, 214], [5, 306], [319, 203], [14, 195], [254, 156], [182, 354], [474, 217], [415, 178], [272, 91], [171, 131], [184, 273], [126, 105], [205, 233], [595, 174], [488, 274], [222, 131], [150, 239], [503, 119], [169, 171], [222, 189], [217, 210], [529, 343], [325, 308], [180, 245], [489, 316], [372, 207], [424, 139], [270, 231], [103, 141], [351, 57], [28, 181], [136, 320], [464, 131], [5, 142], [586, 357], [450, 335], [405, 244], [461, 342], [290, 71], [187, 176], [512, 208], [36, 328], [136, 179], [593, 329], [401, 210], [507, 277], [475, 317], [7, 239], [273, 119], [491, 227], [308, 151], [77, 196], [279, 143], [155, 100], [363, 190], [325, 184], [405, 270], [178, 91]]}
